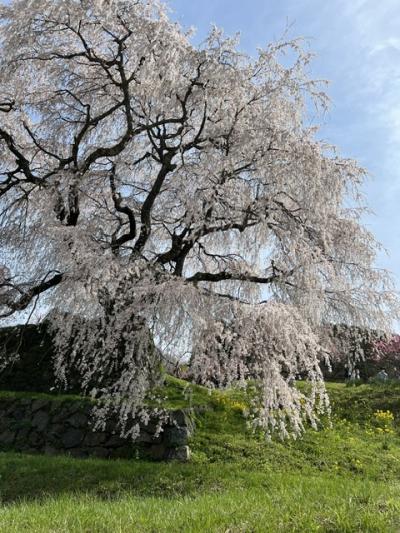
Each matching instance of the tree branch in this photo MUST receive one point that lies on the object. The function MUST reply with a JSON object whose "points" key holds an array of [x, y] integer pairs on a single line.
{"points": [[25, 298], [126, 210]]}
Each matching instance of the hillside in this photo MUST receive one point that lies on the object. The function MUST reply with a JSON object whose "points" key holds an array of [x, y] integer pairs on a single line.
{"points": [[343, 478]]}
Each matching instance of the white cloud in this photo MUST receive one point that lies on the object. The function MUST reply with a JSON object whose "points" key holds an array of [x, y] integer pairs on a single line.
{"points": [[389, 43]]}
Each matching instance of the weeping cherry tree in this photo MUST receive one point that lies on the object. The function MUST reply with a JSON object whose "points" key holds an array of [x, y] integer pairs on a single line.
{"points": [[148, 185]]}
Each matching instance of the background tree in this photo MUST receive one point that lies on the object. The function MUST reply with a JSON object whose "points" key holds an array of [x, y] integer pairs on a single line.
{"points": [[386, 355], [354, 352], [146, 183]]}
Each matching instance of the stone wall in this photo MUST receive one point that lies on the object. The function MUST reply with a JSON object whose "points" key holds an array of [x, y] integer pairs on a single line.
{"points": [[59, 426], [30, 352], [32, 369]]}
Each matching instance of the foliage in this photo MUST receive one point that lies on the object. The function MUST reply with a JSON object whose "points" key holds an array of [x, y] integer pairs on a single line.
{"points": [[386, 355], [359, 353], [354, 352], [259, 347], [383, 421], [146, 183]]}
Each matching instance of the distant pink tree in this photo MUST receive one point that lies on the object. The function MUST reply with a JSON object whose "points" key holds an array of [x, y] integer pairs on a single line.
{"points": [[386, 354]]}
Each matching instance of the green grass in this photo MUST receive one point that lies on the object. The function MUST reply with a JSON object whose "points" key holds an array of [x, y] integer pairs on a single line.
{"points": [[274, 503], [20, 395], [340, 479]]}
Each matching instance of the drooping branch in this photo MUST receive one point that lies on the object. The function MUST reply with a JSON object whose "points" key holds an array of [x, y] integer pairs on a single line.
{"points": [[17, 297], [7, 106], [21, 160]]}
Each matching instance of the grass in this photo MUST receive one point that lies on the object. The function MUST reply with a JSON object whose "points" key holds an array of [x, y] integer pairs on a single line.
{"points": [[275, 503], [340, 479], [20, 395]]}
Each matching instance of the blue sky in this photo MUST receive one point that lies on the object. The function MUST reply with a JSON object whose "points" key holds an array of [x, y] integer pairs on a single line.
{"points": [[357, 46]]}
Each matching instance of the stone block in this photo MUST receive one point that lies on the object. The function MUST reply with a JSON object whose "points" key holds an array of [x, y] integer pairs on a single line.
{"points": [[40, 403], [5, 423], [149, 438], [18, 413], [176, 436], [115, 441], [72, 438], [40, 420], [100, 452], [151, 427], [182, 418], [58, 416], [95, 438], [78, 452], [35, 439], [157, 452], [22, 436], [78, 420], [7, 437], [50, 450], [182, 454], [125, 452], [55, 430]]}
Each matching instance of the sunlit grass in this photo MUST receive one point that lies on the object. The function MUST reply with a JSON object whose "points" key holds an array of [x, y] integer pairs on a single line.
{"points": [[344, 478]]}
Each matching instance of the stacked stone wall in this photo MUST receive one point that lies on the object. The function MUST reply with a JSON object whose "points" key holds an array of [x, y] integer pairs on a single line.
{"points": [[54, 426]]}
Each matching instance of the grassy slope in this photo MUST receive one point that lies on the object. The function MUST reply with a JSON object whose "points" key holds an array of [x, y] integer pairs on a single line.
{"points": [[340, 479]]}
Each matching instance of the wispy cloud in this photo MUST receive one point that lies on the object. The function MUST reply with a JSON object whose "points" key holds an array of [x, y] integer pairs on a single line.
{"points": [[358, 48]]}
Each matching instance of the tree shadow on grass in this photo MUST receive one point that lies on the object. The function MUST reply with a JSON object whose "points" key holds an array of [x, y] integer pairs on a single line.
{"points": [[36, 477]]}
